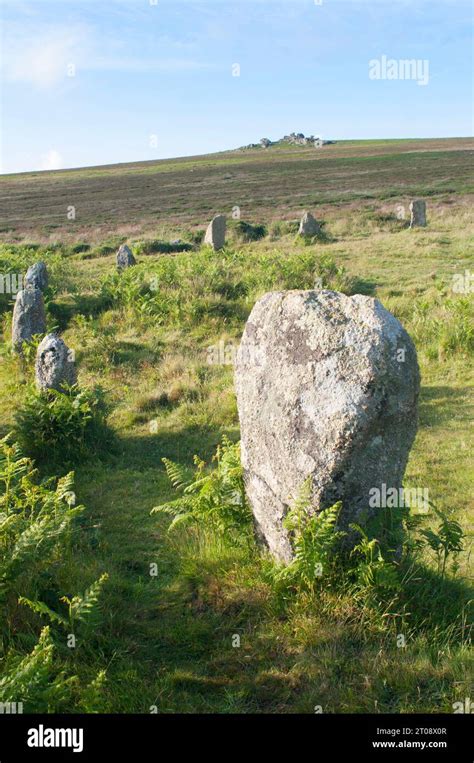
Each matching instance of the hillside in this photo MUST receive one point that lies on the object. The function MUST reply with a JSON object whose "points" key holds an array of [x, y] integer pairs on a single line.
{"points": [[166, 640], [267, 184]]}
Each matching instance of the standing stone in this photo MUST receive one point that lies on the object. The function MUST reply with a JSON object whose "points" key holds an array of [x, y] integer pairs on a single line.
{"points": [[215, 234], [125, 258], [54, 364], [418, 214], [327, 389], [36, 277], [308, 225], [29, 317]]}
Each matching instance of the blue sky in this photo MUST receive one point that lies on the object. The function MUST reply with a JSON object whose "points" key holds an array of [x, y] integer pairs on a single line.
{"points": [[155, 79]]}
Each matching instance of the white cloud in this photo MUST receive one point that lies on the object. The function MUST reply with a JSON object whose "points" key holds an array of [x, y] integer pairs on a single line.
{"points": [[40, 56], [51, 161]]}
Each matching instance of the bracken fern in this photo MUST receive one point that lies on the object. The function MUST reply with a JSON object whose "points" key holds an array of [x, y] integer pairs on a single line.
{"points": [[314, 538], [216, 498]]}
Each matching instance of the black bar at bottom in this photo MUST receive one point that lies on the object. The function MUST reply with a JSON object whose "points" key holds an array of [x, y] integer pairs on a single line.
{"points": [[154, 737]]}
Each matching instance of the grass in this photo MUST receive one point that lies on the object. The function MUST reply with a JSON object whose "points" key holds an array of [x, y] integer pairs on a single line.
{"points": [[274, 184], [168, 640]]}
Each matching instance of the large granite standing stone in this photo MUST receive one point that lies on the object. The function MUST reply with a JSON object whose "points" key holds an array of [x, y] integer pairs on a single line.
{"points": [[327, 388], [36, 277], [215, 234], [54, 364], [125, 258], [418, 214], [29, 317], [309, 226]]}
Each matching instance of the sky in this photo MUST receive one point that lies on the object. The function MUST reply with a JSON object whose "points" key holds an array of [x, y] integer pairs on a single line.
{"points": [[90, 82]]}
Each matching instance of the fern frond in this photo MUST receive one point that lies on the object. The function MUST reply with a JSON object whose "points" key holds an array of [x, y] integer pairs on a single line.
{"points": [[65, 486], [215, 498], [172, 508], [84, 607], [42, 609], [30, 673], [176, 474], [91, 699]]}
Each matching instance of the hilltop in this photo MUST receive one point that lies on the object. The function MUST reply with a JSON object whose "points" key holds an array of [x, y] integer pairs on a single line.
{"points": [[293, 139]]}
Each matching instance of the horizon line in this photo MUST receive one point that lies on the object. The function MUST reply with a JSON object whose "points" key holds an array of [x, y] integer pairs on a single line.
{"points": [[224, 151]]}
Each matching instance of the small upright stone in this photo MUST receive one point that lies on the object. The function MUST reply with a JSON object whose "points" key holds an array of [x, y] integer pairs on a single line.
{"points": [[54, 364], [215, 234], [29, 317], [309, 226], [125, 258], [36, 277], [418, 214]]}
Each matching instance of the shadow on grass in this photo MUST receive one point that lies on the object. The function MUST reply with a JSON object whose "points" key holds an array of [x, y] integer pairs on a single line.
{"points": [[91, 304], [436, 602], [127, 353], [164, 247], [181, 446], [439, 405], [62, 311], [363, 286], [186, 624], [183, 621]]}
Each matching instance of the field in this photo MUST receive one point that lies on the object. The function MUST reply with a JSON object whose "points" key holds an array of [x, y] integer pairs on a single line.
{"points": [[166, 640], [134, 199]]}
